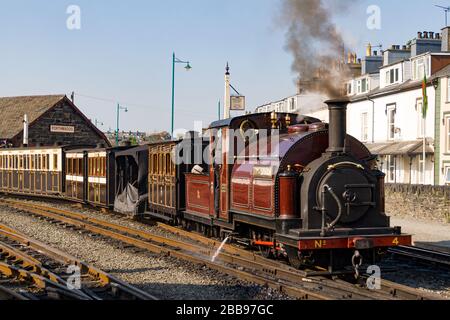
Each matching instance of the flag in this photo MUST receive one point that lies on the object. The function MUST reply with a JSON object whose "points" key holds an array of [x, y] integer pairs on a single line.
{"points": [[424, 95]]}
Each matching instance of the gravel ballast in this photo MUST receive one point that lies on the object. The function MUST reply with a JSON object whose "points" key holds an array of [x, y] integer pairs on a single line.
{"points": [[163, 277]]}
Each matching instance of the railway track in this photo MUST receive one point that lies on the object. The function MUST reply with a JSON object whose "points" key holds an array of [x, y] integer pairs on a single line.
{"points": [[32, 270], [231, 260], [423, 255]]}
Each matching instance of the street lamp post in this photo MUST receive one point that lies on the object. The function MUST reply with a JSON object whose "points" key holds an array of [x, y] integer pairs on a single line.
{"points": [[119, 108], [188, 67]]}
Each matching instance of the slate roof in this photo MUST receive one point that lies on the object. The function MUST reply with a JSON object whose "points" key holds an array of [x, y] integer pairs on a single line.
{"points": [[12, 110]]}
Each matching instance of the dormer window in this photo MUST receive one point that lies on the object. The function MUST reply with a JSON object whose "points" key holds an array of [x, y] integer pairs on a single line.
{"points": [[392, 76], [419, 67]]}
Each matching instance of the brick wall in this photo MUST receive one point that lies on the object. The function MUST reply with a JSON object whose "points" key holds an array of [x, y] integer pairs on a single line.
{"points": [[426, 202], [63, 115]]}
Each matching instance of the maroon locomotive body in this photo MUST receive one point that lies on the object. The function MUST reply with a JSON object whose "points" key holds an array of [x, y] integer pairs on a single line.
{"points": [[286, 184]]}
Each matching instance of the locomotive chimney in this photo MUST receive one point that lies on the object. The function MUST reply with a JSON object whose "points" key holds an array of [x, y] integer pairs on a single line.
{"points": [[338, 124]]}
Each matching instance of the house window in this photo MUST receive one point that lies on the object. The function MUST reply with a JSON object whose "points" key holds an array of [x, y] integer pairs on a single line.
{"points": [[448, 89], [447, 133], [447, 176], [420, 127], [419, 66], [364, 127], [391, 122], [388, 77], [391, 169], [292, 104], [420, 169]]}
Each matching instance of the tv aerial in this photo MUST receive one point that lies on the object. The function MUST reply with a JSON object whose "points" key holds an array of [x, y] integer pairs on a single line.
{"points": [[446, 10]]}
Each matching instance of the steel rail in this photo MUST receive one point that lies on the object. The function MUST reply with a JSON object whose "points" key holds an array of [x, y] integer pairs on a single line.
{"points": [[170, 247], [427, 255], [40, 282], [106, 280], [18, 258], [8, 294], [274, 269]]}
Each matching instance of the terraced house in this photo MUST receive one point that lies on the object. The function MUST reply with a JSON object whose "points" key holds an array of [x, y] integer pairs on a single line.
{"points": [[386, 109]]}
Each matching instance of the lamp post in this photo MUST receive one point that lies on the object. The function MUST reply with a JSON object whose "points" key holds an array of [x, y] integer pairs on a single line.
{"points": [[119, 108], [188, 67]]}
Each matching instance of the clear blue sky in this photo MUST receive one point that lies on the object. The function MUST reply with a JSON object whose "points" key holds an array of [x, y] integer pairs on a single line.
{"points": [[123, 52]]}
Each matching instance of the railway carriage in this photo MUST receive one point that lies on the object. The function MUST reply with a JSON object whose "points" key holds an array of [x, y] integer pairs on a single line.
{"points": [[75, 175], [131, 180], [168, 164], [34, 171]]}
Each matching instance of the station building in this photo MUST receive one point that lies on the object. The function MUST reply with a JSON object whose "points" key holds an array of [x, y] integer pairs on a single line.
{"points": [[52, 120]]}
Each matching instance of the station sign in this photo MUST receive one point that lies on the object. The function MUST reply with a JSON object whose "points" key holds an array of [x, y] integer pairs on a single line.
{"points": [[237, 103], [62, 129]]}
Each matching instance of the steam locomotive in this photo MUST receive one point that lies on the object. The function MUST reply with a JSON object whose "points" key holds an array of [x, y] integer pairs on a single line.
{"points": [[285, 184]]}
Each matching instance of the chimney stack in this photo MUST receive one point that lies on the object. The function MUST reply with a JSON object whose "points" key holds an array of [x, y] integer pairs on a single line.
{"points": [[338, 125], [445, 35], [25, 130]]}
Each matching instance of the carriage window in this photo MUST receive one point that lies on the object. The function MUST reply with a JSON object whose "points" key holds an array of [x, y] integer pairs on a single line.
{"points": [[44, 162], [155, 164], [75, 166], [55, 162], [97, 167], [69, 167], [80, 166], [103, 167], [168, 165]]}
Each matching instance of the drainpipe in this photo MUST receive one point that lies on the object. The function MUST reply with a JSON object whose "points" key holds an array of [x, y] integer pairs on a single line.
{"points": [[373, 118]]}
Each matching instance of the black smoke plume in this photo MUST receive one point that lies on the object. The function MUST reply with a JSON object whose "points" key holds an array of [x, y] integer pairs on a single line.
{"points": [[316, 44]]}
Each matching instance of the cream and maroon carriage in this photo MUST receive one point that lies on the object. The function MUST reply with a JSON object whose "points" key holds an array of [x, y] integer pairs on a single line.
{"points": [[32, 171]]}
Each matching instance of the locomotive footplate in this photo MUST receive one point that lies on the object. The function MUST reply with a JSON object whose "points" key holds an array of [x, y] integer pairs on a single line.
{"points": [[359, 242]]}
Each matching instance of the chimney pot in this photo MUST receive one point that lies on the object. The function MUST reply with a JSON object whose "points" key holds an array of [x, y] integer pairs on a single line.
{"points": [[369, 50], [437, 36], [375, 53], [425, 34], [431, 33], [419, 35], [404, 47]]}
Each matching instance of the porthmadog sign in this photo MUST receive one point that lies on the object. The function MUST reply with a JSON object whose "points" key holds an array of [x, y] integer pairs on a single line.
{"points": [[62, 129]]}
